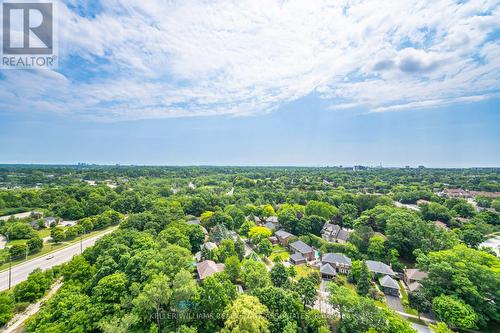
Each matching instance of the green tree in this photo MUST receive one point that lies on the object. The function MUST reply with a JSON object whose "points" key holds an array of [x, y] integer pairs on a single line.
{"points": [[306, 290], [418, 301], [376, 247], [6, 308], [155, 296], [363, 282], [256, 234], [279, 276], [322, 209], [254, 274], [265, 247], [232, 268], [454, 312], [246, 315], [57, 235]]}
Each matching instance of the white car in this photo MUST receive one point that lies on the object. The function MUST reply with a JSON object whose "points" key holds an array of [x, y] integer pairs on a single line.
{"points": [[49, 257]]}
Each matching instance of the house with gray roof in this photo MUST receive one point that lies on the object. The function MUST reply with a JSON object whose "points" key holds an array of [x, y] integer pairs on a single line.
{"points": [[335, 233], [270, 226], [327, 271], [340, 262], [389, 285], [377, 267], [297, 259], [283, 236], [302, 248]]}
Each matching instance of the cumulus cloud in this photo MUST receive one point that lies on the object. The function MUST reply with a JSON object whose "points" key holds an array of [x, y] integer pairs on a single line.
{"points": [[124, 59]]}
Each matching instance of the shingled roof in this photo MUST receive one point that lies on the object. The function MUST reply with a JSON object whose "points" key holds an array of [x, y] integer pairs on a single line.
{"points": [[379, 268], [336, 258], [207, 268], [388, 282], [301, 247], [327, 269]]}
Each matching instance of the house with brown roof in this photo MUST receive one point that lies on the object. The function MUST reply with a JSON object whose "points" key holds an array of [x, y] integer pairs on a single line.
{"points": [[283, 236], [207, 268], [413, 278]]}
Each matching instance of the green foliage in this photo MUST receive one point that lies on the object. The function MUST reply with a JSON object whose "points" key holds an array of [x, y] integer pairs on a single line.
{"points": [[322, 209], [363, 282], [285, 307], [247, 315], [254, 274], [279, 276], [468, 275], [454, 312], [306, 289], [34, 287], [6, 308]]}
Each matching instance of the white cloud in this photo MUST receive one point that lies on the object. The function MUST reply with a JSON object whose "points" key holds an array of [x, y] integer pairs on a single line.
{"points": [[154, 59]]}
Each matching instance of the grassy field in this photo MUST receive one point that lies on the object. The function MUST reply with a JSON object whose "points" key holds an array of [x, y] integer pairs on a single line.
{"points": [[303, 271], [279, 251]]}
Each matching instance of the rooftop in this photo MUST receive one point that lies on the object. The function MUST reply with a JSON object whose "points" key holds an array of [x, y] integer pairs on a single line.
{"points": [[300, 246], [389, 282], [336, 258], [379, 267], [207, 268], [327, 269]]}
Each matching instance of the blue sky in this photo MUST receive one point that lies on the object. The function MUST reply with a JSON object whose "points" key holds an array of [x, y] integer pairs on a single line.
{"points": [[262, 83]]}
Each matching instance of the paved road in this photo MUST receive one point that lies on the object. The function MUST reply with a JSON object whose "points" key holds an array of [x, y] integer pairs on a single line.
{"points": [[493, 243], [21, 271]]}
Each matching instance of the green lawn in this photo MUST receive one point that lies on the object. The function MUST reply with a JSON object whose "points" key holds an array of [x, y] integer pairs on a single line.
{"points": [[303, 270], [282, 254]]}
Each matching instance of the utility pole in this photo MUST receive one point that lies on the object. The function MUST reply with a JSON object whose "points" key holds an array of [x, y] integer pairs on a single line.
{"points": [[10, 270]]}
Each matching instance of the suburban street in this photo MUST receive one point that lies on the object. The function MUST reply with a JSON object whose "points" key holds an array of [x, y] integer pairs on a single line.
{"points": [[21, 271]]}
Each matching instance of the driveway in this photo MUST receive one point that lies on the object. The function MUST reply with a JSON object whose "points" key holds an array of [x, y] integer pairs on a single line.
{"points": [[394, 303]]}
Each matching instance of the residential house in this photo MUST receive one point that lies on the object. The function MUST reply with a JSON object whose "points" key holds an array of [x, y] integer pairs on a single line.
{"points": [[441, 224], [413, 278], [210, 246], [269, 225], [327, 271], [283, 236], [341, 263], [389, 286], [207, 268], [305, 250], [273, 240], [377, 267], [297, 259], [334, 233]]}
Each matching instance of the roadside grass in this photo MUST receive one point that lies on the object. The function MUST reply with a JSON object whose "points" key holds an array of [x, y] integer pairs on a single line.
{"points": [[51, 247], [404, 296], [416, 321]]}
